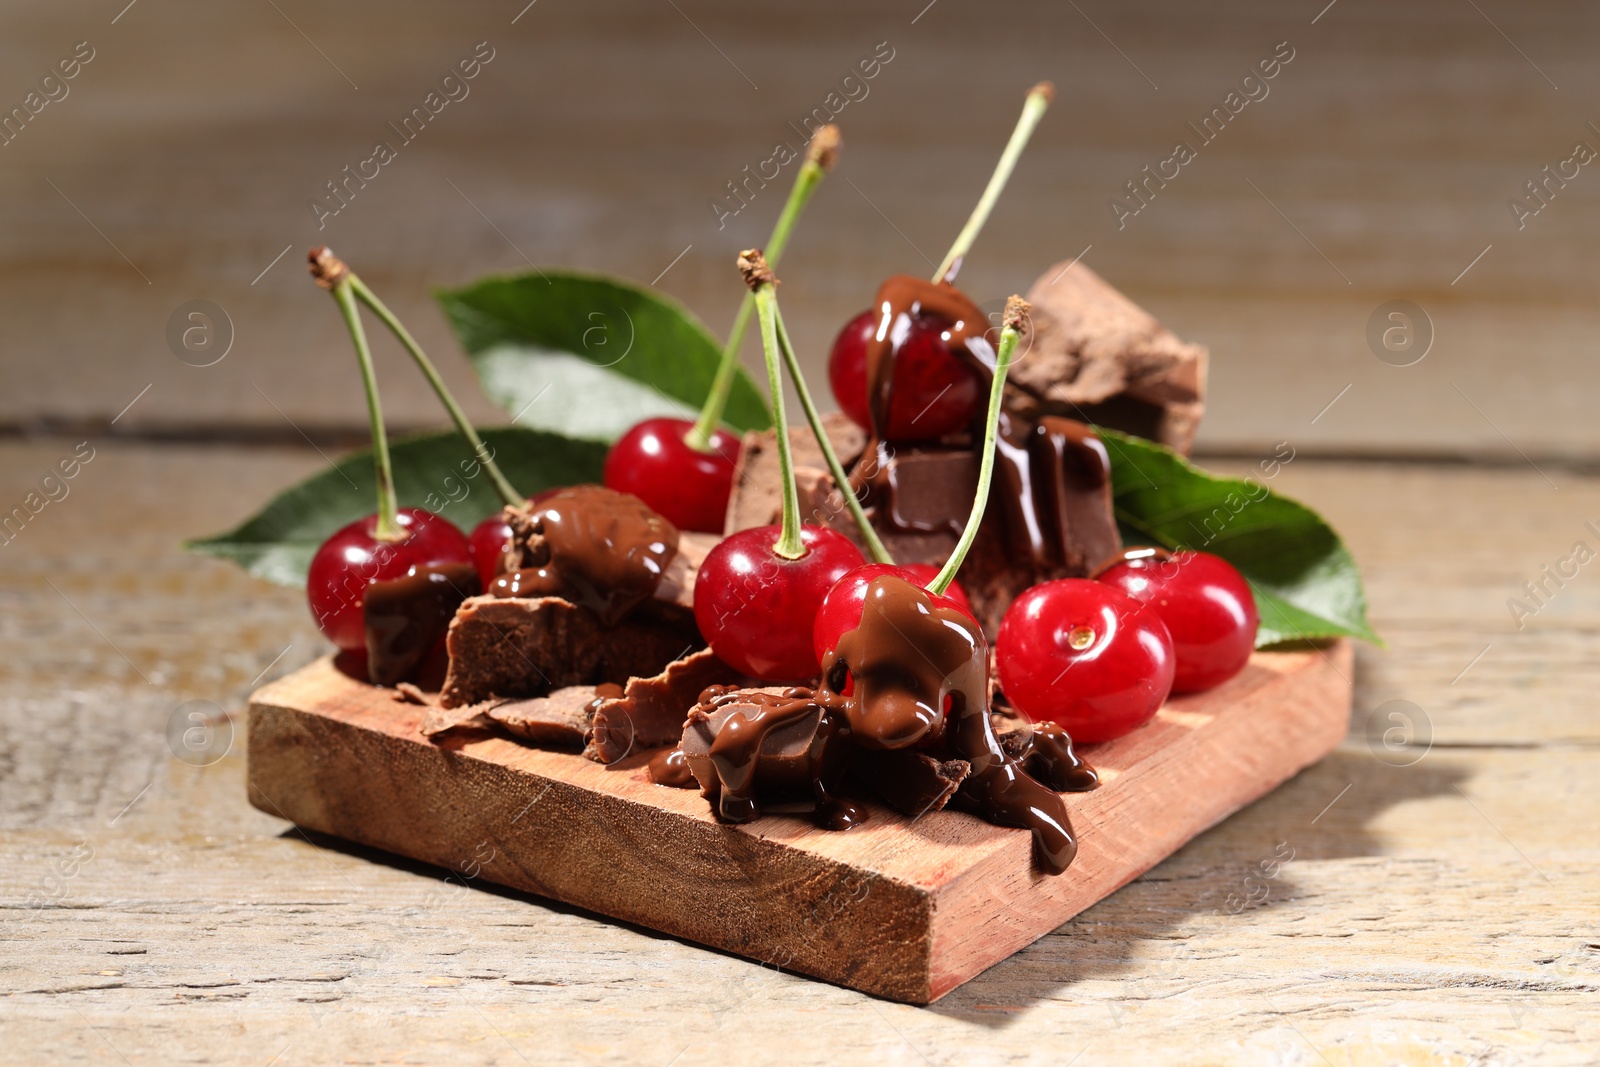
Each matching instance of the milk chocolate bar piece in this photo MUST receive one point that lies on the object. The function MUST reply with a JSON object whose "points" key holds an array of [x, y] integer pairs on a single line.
{"points": [[522, 647], [782, 773], [911, 782], [757, 498], [1092, 354], [651, 711], [560, 720]]}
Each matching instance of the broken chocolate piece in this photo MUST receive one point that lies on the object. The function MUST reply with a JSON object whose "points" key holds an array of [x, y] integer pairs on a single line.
{"points": [[911, 782], [405, 617], [1092, 354], [516, 647], [560, 720], [439, 720], [649, 711], [590, 545]]}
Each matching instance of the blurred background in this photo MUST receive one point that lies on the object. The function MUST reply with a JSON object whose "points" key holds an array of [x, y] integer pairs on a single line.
{"points": [[1385, 162]]}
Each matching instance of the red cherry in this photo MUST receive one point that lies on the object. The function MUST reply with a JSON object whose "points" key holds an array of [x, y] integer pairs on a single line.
{"points": [[841, 608], [1207, 607], [689, 488], [489, 539], [933, 393], [1085, 655], [757, 610], [353, 558]]}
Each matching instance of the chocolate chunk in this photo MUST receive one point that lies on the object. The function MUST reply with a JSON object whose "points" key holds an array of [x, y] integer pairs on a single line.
{"points": [[405, 617], [560, 720], [649, 712], [911, 782], [590, 545], [757, 498], [518, 647], [782, 767], [1090, 353]]}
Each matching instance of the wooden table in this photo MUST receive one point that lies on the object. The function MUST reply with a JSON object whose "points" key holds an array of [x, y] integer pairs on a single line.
{"points": [[1442, 912]]}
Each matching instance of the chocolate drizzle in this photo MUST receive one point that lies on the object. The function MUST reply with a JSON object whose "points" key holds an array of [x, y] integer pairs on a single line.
{"points": [[911, 679], [406, 617], [598, 548], [918, 674], [1046, 472], [669, 767]]}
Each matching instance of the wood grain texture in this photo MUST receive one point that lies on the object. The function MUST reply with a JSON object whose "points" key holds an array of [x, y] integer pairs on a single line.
{"points": [[1378, 167], [1440, 913], [902, 908]]}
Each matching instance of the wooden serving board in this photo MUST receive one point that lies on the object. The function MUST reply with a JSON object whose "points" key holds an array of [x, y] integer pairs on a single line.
{"points": [[899, 908]]}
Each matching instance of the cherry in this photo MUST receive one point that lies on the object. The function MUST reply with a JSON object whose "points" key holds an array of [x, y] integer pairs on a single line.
{"points": [[841, 608], [1206, 605], [757, 610], [353, 558], [1085, 655], [489, 539], [688, 487], [933, 393]]}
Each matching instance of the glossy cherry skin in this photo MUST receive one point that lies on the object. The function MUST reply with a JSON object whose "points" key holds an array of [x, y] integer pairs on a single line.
{"points": [[841, 608], [489, 539], [1085, 655], [1207, 607], [352, 559], [757, 610], [933, 393], [688, 487]]}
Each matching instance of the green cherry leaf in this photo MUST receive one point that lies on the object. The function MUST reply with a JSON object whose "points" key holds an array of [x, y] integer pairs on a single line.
{"points": [[436, 471], [1306, 583], [589, 356]]}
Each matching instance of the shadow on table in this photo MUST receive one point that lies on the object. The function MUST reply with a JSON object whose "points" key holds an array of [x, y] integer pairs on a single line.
{"points": [[1232, 874]]}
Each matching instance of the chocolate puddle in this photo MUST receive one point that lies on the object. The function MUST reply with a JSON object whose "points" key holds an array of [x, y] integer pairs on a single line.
{"points": [[405, 617], [593, 546]]}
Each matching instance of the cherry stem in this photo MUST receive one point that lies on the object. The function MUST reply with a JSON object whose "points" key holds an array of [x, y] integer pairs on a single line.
{"points": [[496, 477], [1033, 109], [388, 525], [1015, 313], [841, 479], [821, 152], [761, 281]]}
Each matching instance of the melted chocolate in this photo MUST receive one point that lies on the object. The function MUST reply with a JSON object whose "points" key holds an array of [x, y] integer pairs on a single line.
{"points": [[1046, 751], [405, 617], [740, 751], [1046, 473], [1132, 552], [918, 675], [600, 549], [669, 767]]}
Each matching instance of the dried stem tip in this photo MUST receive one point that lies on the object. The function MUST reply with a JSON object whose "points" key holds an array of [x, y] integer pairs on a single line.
{"points": [[327, 269], [1044, 89], [1016, 313], [753, 265], [823, 150]]}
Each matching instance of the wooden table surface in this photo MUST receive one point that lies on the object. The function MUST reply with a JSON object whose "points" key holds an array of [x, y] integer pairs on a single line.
{"points": [[1442, 912]]}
